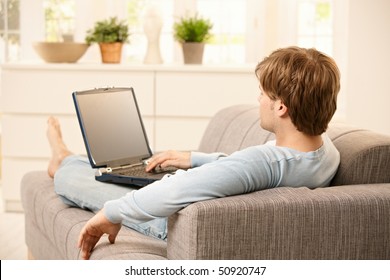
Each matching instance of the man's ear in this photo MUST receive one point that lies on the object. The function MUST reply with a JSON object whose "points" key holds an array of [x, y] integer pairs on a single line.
{"points": [[282, 109]]}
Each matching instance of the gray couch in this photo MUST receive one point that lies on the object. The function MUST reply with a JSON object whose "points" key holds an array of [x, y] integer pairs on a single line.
{"points": [[349, 220]]}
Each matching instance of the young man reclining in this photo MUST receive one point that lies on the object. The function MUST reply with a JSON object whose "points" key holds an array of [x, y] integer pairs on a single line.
{"points": [[298, 95]]}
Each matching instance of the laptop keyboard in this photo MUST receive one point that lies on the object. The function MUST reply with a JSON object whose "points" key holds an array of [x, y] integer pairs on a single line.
{"points": [[134, 171], [139, 171]]}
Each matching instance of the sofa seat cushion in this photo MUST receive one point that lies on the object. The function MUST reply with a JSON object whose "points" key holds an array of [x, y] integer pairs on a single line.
{"points": [[61, 225]]}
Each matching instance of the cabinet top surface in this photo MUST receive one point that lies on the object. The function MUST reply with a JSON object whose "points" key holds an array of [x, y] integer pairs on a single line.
{"points": [[89, 66]]}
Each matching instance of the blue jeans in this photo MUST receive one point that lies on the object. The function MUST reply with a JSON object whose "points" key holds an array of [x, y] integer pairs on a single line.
{"points": [[75, 183]]}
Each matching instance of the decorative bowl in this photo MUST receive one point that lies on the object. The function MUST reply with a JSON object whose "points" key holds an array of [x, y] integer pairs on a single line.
{"points": [[60, 52]]}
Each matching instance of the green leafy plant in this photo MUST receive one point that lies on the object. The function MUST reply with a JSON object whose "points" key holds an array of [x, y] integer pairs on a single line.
{"points": [[192, 29], [108, 31]]}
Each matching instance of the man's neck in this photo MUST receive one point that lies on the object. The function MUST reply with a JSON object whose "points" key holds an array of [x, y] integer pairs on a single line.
{"points": [[299, 141]]}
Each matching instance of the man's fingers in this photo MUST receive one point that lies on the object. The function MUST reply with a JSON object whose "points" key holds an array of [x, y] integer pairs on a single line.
{"points": [[170, 158], [87, 244], [88, 238], [85, 254], [169, 163], [82, 237], [93, 231], [159, 159], [112, 238]]}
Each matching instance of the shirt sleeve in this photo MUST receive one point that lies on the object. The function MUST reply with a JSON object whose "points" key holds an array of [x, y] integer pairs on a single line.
{"points": [[198, 158]]}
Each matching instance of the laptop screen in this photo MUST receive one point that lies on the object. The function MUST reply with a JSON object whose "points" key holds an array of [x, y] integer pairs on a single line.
{"points": [[112, 127]]}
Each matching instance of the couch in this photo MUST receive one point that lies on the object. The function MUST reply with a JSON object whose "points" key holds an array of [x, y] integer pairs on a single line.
{"points": [[348, 220]]}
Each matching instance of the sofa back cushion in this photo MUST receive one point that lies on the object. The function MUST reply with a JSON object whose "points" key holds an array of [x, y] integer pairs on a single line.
{"points": [[233, 129], [364, 155]]}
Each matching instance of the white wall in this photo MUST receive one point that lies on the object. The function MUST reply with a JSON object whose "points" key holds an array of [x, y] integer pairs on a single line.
{"points": [[361, 48], [368, 65], [31, 27]]}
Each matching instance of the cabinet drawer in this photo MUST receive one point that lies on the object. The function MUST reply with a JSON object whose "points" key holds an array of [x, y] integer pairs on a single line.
{"points": [[25, 135], [179, 134], [13, 172], [45, 91], [203, 94]]}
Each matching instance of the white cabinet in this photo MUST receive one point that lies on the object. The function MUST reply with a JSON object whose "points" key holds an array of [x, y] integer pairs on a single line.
{"points": [[176, 102], [186, 100]]}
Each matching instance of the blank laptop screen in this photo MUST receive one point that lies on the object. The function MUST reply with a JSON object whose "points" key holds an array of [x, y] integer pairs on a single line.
{"points": [[112, 125]]}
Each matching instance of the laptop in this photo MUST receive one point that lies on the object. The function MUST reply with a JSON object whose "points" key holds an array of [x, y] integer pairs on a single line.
{"points": [[115, 137]]}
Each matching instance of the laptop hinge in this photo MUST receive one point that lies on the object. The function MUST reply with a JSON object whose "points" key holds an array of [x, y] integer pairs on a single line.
{"points": [[125, 166], [105, 170]]}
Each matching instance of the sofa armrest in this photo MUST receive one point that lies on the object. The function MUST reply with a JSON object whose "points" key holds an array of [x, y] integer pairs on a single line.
{"points": [[348, 222]]}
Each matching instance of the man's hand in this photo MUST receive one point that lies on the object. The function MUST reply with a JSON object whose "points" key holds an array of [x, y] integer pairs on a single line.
{"points": [[93, 230], [170, 159]]}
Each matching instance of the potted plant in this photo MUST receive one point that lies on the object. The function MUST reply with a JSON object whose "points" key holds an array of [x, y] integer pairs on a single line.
{"points": [[110, 34], [192, 33]]}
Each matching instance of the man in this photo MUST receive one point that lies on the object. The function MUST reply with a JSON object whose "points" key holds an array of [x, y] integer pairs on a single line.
{"points": [[298, 94]]}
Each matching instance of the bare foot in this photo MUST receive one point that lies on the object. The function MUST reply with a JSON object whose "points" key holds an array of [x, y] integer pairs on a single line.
{"points": [[57, 145]]}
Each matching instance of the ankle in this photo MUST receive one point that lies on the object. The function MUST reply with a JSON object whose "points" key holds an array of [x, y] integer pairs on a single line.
{"points": [[62, 155]]}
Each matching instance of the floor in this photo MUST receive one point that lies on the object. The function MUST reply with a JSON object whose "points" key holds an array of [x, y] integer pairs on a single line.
{"points": [[12, 245]]}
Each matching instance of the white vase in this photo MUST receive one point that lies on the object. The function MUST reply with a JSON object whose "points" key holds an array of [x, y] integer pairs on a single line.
{"points": [[152, 24]]}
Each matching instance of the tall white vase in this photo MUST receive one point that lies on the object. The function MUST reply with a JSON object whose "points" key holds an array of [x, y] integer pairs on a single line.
{"points": [[152, 27]]}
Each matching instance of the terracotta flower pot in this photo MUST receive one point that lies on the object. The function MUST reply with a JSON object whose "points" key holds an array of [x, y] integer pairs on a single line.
{"points": [[111, 52], [193, 53]]}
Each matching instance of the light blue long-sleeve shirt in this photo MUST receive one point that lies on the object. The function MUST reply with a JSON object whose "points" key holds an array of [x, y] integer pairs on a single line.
{"points": [[217, 175]]}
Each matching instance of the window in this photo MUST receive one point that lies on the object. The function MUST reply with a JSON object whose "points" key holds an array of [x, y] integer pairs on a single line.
{"points": [[315, 24], [229, 25], [9, 30], [59, 20], [138, 42], [229, 19], [244, 30]]}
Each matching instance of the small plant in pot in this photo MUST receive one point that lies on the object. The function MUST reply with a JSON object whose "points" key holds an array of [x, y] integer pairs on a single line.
{"points": [[192, 33], [110, 34]]}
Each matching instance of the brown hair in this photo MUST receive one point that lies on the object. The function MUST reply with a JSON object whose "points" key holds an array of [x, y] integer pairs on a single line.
{"points": [[306, 81]]}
